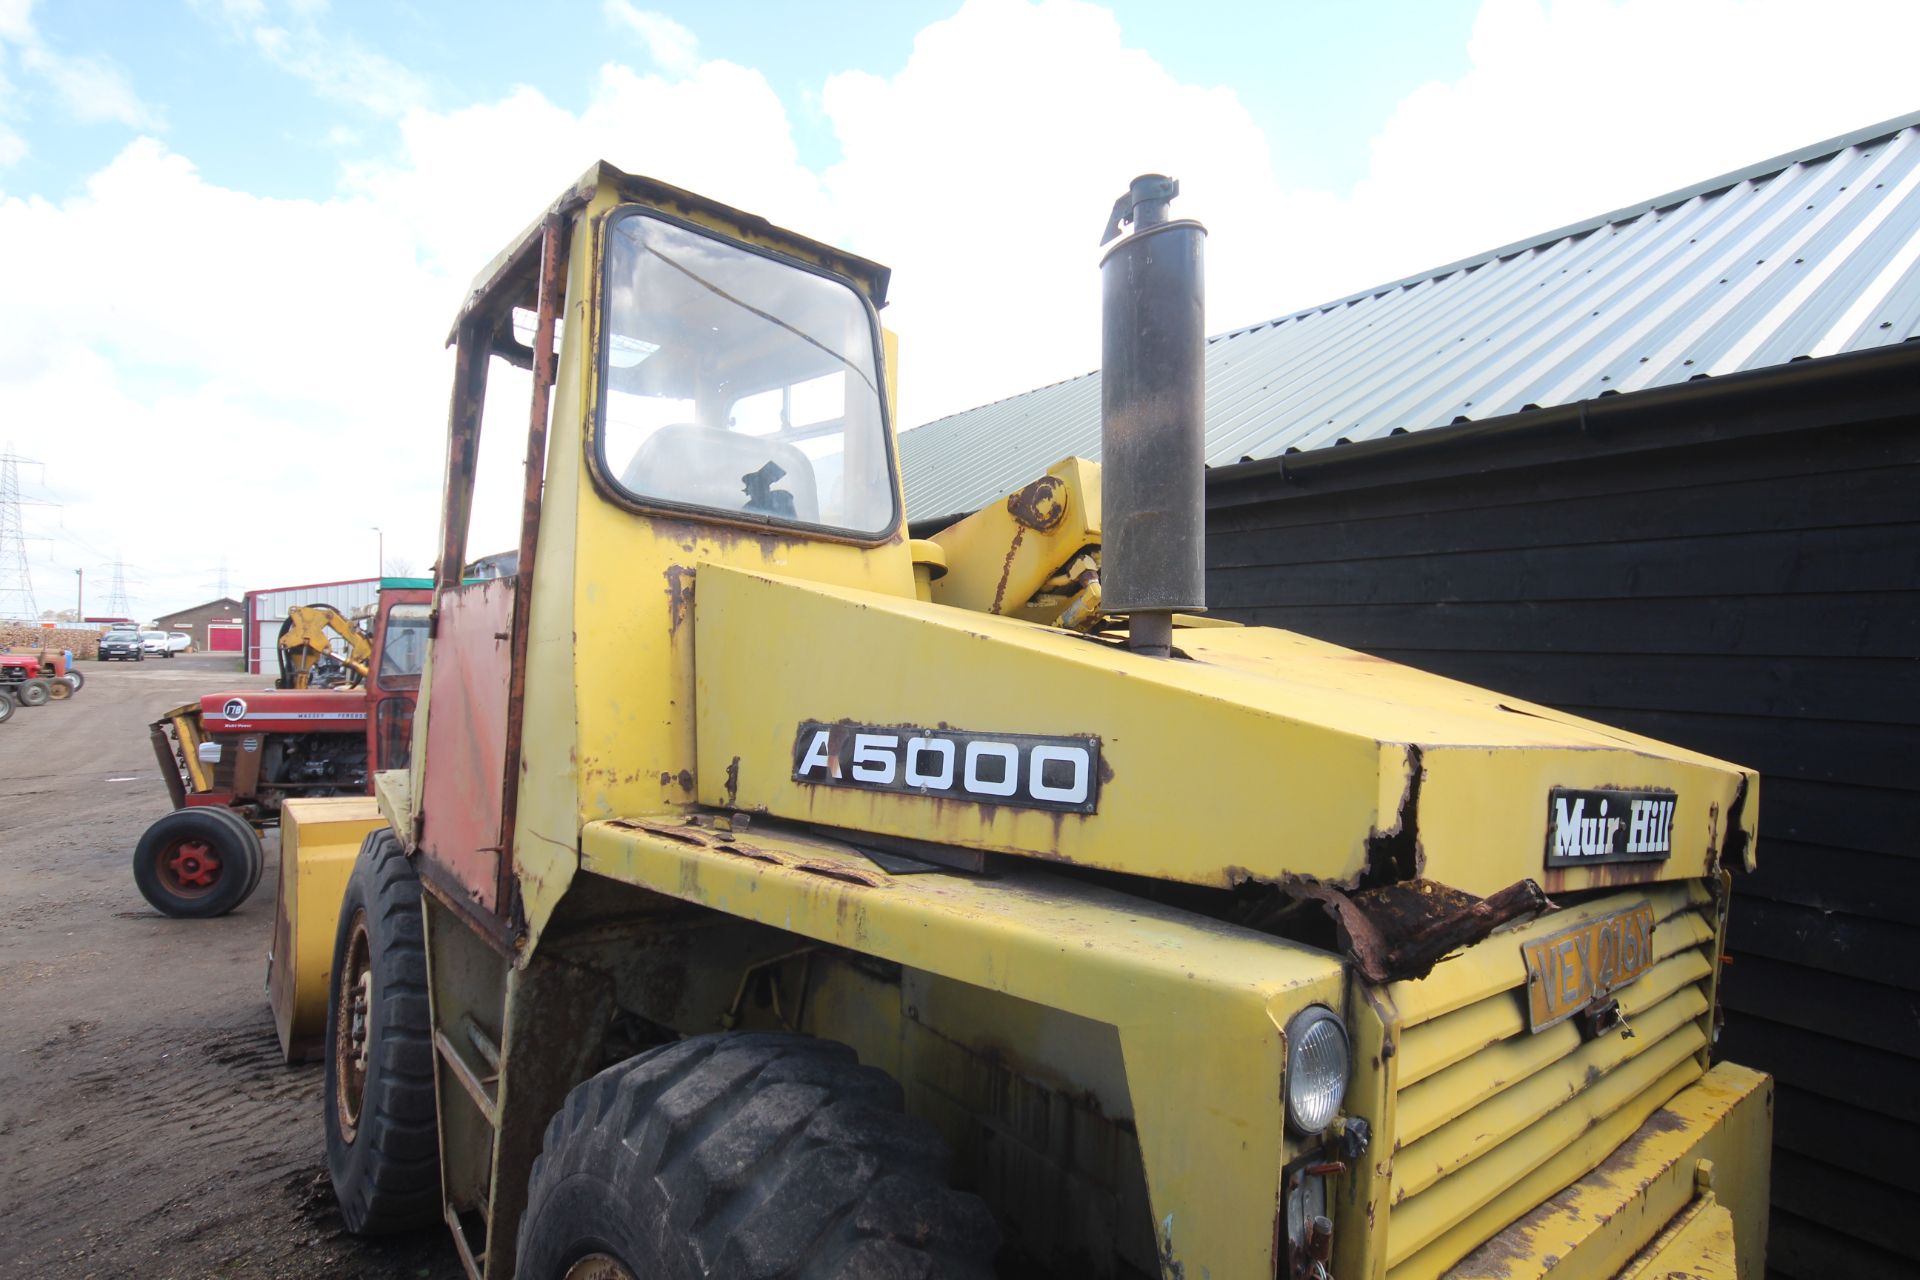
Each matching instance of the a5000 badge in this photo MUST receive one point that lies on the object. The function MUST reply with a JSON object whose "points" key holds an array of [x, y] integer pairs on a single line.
{"points": [[1025, 770]]}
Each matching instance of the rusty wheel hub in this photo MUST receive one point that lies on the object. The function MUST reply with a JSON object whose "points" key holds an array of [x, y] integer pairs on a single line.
{"points": [[598, 1266], [190, 868], [352, 1042]]}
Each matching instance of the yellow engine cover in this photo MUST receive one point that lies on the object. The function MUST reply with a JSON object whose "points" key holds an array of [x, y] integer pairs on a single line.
{"points": [[1257, 755]]}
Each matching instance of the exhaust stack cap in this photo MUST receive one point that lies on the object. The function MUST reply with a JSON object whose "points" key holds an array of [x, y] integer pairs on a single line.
{"points": [[1153, 415]]}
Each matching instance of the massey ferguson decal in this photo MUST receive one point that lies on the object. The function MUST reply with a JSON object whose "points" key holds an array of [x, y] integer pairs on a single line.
{"points": [[1607, 825], [235, 709], [1025, 770]]}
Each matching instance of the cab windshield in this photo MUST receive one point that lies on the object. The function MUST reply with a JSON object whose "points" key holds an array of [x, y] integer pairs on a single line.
{"points": [[740, 384], [403, 648]]}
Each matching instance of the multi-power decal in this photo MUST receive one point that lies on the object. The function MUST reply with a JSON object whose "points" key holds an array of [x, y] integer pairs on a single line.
{"points": [[1024, 770]]}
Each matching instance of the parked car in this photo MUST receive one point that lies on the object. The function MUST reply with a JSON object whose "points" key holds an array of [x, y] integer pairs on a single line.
{"points": [[122, 645], [178, 642], [155, 642]]}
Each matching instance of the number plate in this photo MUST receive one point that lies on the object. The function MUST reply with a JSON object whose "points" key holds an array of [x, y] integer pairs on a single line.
{"points": [[1568, 969]]}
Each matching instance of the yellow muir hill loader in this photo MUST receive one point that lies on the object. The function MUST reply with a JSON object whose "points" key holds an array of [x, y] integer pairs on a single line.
{"points": [[804, 900]]}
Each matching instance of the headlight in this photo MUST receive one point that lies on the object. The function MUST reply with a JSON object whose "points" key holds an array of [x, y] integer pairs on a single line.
{"points": [[1317, 1065]]}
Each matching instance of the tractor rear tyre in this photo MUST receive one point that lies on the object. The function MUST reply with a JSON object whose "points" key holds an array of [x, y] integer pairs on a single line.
{"points": [[192, 864], [745, 1155], [383, 1143], [33, 693], [59, 690], [76, 678], [6, 706]]}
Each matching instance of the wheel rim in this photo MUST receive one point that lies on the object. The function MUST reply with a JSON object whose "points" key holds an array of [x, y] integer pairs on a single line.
{"points": [[59, 689], [598, 1266], [351, 1039], [189, 868]]}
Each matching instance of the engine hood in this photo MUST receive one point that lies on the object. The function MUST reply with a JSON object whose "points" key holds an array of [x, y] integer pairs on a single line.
{"points": [[1258, 755], [284, 711]]}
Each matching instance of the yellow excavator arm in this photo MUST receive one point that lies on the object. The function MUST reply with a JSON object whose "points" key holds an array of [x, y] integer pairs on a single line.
{"points": [[303, 643]]}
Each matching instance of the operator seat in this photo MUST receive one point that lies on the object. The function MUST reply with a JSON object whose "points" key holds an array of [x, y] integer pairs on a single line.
{"points": [[709, 467]]}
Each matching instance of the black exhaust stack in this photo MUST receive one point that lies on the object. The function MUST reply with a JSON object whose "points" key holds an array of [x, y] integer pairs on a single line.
{"points": [[1153, 401]]}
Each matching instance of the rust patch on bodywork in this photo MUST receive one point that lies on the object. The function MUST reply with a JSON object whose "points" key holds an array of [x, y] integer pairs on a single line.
{"points": [[1006, 570], [679, 596], [1041, 506], [1604, 875], [1738, 849], [834, 871], [1394, 854], [1399, 931]]}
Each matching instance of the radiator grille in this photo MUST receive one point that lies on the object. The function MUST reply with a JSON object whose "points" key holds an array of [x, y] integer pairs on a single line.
{"points": [[1488, 1117]]}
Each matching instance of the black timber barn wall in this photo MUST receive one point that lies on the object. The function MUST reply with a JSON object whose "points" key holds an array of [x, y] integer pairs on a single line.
{"points": [[1739, 575]]}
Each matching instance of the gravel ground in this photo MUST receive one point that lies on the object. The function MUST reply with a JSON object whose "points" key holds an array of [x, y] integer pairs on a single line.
{"points": [[147, 1127]]}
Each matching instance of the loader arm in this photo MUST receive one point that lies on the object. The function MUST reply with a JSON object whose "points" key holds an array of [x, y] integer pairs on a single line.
{"points": [[303, 643]]}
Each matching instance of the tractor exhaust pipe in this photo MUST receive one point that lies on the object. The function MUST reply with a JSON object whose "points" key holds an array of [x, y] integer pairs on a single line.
{"points": [[1153, 400]]}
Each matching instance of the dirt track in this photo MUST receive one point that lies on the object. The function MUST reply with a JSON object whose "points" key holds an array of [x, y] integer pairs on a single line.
{"points": [[147, 1127]]}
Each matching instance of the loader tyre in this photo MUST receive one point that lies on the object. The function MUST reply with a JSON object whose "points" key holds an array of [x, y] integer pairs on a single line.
{"points": [[192, 865], [33, 693], [744, 1156], [383, 1147]]}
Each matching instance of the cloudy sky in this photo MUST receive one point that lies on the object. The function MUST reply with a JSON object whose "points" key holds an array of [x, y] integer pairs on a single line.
{"points": [[233, 232]]}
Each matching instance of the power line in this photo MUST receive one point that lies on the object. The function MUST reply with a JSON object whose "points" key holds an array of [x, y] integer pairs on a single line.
{"points": [[16, 583]]}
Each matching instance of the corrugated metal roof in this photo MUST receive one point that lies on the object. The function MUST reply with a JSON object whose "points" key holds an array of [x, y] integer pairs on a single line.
{"points": [[1805, 255]]}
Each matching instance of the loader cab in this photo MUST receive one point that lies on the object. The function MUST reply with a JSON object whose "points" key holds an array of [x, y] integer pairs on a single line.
{"points": [[707, 388]]}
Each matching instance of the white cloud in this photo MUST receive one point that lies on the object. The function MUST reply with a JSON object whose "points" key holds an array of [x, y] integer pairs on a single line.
{"points": [[206, 371], [672, 47], [983, 173], [1578, 107], [90, 90], [336, 66], [274, 368]]}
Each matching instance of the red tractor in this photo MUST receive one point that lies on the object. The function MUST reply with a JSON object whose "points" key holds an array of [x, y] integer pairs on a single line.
{"points": [[229, 759], [34, 679]]}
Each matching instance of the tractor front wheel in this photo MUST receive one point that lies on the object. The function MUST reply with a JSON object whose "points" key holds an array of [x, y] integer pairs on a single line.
{"points": [[59, 690], [193, 864], [383, 1141], [740, 1154], [256, 854], [32, 693]]}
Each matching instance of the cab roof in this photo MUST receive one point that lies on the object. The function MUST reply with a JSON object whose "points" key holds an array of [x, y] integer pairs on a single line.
{"points": [[511, 278]]}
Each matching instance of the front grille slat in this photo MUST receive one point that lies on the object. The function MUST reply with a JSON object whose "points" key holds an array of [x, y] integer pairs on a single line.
{"points": [[1460, 1035], [1431, 1102], [1462, 1140], [1489, 1118]]}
